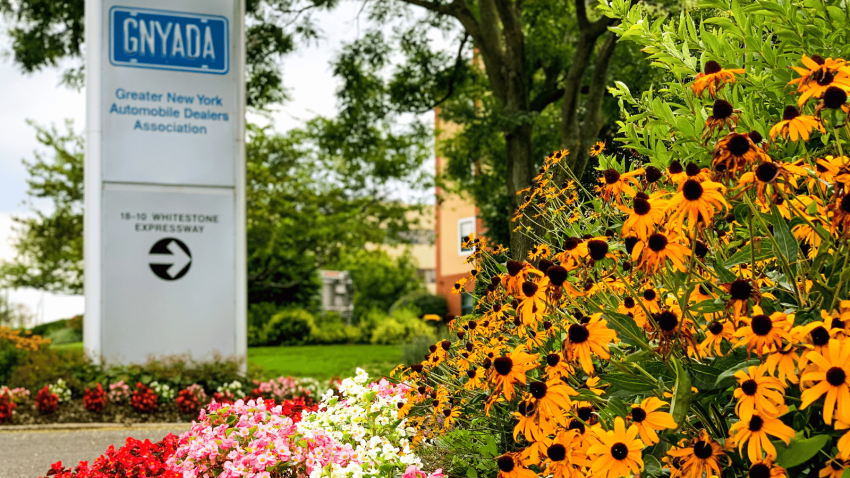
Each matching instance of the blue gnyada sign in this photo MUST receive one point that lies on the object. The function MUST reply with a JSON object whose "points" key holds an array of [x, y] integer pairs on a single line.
{"points": [[167, 40]]}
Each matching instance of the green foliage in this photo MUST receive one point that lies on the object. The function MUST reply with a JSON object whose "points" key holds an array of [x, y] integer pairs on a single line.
{"points": [[403, 326], [423, 301], [379, 280], [291, 326], [413, 350], [331, 328], [64, 336]]}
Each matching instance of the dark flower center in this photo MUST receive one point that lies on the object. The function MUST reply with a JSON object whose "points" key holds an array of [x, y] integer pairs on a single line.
{"points": [[755, 136], [692, 169], [738, 145], [503, 365], [649, 294], [675, 168], [837, 324], [629, 302], [529, 288], [576, 425], [578, 334], [571, 243], [766, 172], [702, 450], [692, 190], [537, 389], [835, 465], [834, 97], [447, 411], [417, 367], [544, 265], [741, 290], [790, 113], [755, 423], [638, 414], [630, 242], [667, 320], [641, 195], [553, 359], [557, 275], [445, 344], [836, 376], [820, 336], [506, 464], [759, 470], [701, 249], [497, 308], [470, 373], [514, 267], [823, 77], [657, 242], [818, 59], [526, 408], [619, 451], [715, 327], [722, 109], [641, 206], [845, 204], [711, 67], [556, 452], [611, 176], [652, 174], [750, 387], [761, 325], [585, 413], [597, 249], [432, 348]]}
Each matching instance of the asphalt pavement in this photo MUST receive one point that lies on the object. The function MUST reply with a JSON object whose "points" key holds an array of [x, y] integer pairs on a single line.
{"points": [[29, 453]]}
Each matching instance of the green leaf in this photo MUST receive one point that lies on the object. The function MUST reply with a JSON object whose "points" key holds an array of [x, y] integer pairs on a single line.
{"points": [[705, 377], [762, 251], [652, 466], [471, 473], [727, 377], [626, 328], [800, 450], [786, 241], [681, 395], [723, 273], [742, 213], [627, 382]]}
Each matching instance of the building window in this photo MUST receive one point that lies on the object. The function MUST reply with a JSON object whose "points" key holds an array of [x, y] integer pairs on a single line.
{"points": [[465, 227], [465, 303]]}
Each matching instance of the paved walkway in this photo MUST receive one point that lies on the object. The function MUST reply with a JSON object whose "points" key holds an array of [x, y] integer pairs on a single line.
{"points": [[29, 453]]}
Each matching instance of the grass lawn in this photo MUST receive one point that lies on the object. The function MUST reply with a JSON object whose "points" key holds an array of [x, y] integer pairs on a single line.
{"points": [[318, 361], [324, 361]]}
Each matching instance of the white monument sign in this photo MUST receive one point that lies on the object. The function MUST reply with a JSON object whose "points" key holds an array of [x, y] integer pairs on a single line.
{"points": [[165, 179]]}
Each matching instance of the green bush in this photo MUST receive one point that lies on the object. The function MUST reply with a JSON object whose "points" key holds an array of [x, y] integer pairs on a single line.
{"points": [[293, 326], [331, 328], [44, 329], [402, 327], [64, 336], [415, 350], [424, 301]]}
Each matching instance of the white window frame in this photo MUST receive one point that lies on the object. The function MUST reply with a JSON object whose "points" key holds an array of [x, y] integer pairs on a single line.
{"points": [[460, 235]]}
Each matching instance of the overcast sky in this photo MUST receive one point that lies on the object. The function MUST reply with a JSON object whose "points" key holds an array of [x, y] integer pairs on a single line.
{"points": [[40, 98]]}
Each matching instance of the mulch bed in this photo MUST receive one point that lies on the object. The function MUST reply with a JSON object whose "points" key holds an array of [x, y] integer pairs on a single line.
{"points": [[74, 412]]}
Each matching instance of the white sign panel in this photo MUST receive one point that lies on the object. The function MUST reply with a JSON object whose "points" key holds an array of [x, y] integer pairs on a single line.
{"points": [[165, 173]]}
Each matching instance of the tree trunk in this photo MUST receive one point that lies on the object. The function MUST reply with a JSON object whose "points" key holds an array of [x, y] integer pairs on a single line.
{"points": [[520, 165]]}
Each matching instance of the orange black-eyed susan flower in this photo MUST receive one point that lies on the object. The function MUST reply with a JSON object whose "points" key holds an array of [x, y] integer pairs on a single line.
{"points": [[539, 251], [832, 377], [716, 332], [766, 469], [511, 466], [597, 149], [723, 114], [735, 152], [821, 81], [590, 337], [557, 367], [834, 468], [552, 399], [530, 424], [696, 201], [795, 126], [699, 456], [742, 291], [762, 331], [841, 215], [782, 363], [564, 456], [833, 98], [756, 433], [616, 453], [597, 248], [648, 418], [646, 213], [657, 249], [518, 272], [459, 286], [672, 326], [816, 336], [772, 175], [575, 249], [676, 172], [532, 305], [615, 184], [713, 78], [814, 69], [757, 393], [510, 369]]}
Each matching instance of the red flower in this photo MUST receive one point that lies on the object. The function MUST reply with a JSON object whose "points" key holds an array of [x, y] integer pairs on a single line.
{"points": [[45, 401], [143, 399], [136, 458], [95, 399], [7, 406], [187, 402]]}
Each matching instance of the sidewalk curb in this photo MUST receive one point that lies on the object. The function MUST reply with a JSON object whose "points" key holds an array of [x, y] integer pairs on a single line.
{"points": [[90, 426]]}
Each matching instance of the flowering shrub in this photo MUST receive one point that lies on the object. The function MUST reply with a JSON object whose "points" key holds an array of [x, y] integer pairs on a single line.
{"points": [[7, 407], [18, 395], [287, 388], [229, 392], [46, 401], [61, 390], [144, 399], [135, 459], [190, 399], [689, 318], [119, 392], [95, 399], [163, 391]]}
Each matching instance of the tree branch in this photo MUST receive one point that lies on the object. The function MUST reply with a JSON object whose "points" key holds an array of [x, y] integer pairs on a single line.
{"points": [[545, 98], [458, 63]]}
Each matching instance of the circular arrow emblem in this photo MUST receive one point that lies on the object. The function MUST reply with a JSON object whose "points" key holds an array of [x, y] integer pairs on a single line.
{"points": [[170, 259]]}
